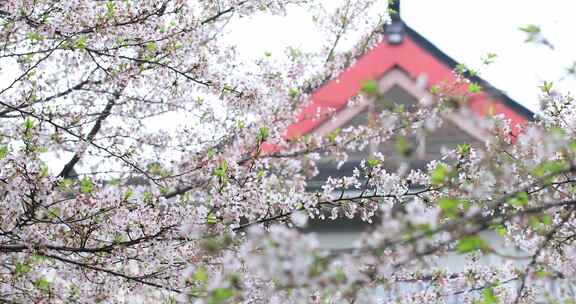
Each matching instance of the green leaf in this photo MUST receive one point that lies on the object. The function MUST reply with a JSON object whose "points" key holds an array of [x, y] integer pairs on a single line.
{"points": [[519, 200], [474, 88], [151, 47], [155, 168], [110, 9], [332, 135], [211, 152], [340, 276], [439, 175], [550, 168], [546, 219], [42, 284], [263, 133], [221, 171], [81, 42], [471, 243], [65, 184], [489, 59], [28, 124], [34, 37], [22, 268], [370, 87], [201, 275], [220, 295], [449, 206], [3, 151], [463, 149], [211, 219], [86, 185], [546, 87], [294, 93], [489, 297], [147, 197], [530, 29], [128, 193], [499, 228], [461, 68], [373, 162], [43, 170]]}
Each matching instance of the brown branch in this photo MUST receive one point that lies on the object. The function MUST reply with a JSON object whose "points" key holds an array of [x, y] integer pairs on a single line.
{"points": [[65, 173]]}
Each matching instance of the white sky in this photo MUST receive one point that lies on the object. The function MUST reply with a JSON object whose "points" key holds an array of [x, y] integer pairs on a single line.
{"points": [[466, 30]]}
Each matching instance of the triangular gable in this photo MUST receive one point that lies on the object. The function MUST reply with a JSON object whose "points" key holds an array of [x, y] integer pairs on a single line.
{"points": [[415, 56]]}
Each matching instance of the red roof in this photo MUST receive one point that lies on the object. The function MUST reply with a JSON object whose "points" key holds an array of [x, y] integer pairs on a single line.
{"points": [[415, 56]]}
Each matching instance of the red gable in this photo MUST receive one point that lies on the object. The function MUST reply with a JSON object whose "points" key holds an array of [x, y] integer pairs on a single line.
{"points": [[415, 56]]}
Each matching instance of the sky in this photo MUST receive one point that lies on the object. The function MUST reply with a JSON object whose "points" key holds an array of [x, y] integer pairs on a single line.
{"points": [[466, 30]]}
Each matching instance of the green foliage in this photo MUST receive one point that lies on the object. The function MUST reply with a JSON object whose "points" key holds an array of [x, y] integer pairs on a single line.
{"points": [[128, 194], [222, 170], [463, 69], [210, 245], [519, 200], [451, 207], [28, 124], [549, 168], [474, 88], [332, 135], [434, 90], [44, 170], [546, 87], [156, 169], [489, 59], [3, 151], [340, 276], [220, 295], [42, 284], [488, 296], [532, 31], [200, 275], [211, 152], [86, 185], [470, 244], [440, 175], [110, 9], [463, 149], [460, 68], [211, 219], [151, 47], [373, 162], [65, 184], [294, 93], [34, 37], [263, 134], [370, 87], [81, 42], [148, 197], [22, 268], [499, 228]]}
